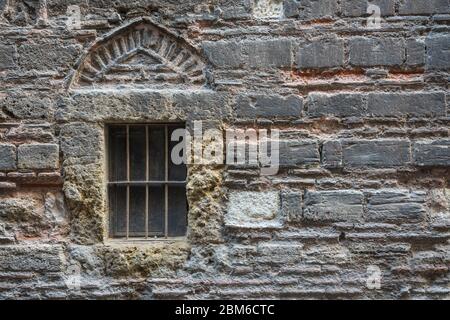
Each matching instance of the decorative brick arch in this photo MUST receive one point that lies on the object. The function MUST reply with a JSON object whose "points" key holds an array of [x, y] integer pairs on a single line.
{"points": [[140, 53]]}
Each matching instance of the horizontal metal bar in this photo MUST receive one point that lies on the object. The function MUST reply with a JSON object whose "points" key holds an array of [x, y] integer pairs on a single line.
{"points": [[142, 240], [140, 234], [147, 183], [162, 124]]}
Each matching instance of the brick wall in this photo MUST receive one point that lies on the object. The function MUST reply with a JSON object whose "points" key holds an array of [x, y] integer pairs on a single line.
{"points": [[363, 115]]}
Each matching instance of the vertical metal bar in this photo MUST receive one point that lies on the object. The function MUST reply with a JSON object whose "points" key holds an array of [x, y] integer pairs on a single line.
{"points": [[128, 180], [147, 166], [108, 156], [166, 186]]}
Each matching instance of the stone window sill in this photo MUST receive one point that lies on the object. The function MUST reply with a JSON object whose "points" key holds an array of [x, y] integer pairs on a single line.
{"points": [[144, 242]]}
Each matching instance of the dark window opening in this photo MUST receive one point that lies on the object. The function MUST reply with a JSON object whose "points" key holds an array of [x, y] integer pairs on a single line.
{"points": [[146, 190]]}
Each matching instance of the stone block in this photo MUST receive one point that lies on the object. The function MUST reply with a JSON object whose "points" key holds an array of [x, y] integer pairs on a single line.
{"points": [[291, 205], [399, 206], [38, 156], [376, 153], [7, 157], [417, 104], [299, 152], [432, 153], [373, 52], [335, 105], [7, 57], [321, 54], [335, 205], [268, 106], [247, 209]]}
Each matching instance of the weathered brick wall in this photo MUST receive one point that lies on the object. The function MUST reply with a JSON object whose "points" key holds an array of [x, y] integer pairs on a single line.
{"points": [[364, 148]]}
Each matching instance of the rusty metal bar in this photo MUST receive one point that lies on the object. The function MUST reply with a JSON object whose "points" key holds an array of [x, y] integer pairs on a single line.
{"points": [[128, 180], [166, 186], [150, 183], [147, 170]]}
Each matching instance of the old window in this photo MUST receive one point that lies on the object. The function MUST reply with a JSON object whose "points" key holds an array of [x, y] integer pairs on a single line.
{"points": [[146, 190]]}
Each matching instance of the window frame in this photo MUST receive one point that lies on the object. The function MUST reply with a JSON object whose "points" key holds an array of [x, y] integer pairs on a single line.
{"points": [[128, 183]]}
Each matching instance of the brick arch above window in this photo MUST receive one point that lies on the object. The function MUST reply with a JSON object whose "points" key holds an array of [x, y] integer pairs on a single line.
{"points": [[141, 53]]}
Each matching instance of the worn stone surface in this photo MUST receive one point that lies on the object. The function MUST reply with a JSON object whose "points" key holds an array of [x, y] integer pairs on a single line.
{"points": [[253, 210], [358, 8], [28, 106], [291, 205], [432, 153], [401, 105], [265, 106], [224, 54], [333, 206], [438, 46], [415, 52], [362, 114], [42, 258], [268, 54], [340, 105], [299, 152], [250, 54], [38, 156], [423, 7], [34, 215], [7, 157], [7, 57], [310, 9], [332, 154], [47, 56], [372, 52], [399, 206], [376, 153], [321, 54]]}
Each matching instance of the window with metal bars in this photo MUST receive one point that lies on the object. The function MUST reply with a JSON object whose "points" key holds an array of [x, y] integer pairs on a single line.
{"points": [[146, 190]]}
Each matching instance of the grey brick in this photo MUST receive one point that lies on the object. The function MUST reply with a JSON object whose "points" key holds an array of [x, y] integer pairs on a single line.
{"points": [[268, 106], [332, 154], [38, 156], [438, 51], [310, 9], [358, 8], [415, 52], [376, 153], [268, 53], [253, 54], [234, 9], [48, 56], [7, 157], [43, 258], [337, 105], [279, 253], [372, 52], [432, 153], [80, 141], [291, 8], [406, 104], [7, 57], [299, 152], [199, 105], [424, 7], [26, 106], [19, 210], [253, 209], [339, 205], [224, 54], [321, 54], [393, 205], [291, 205]]}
